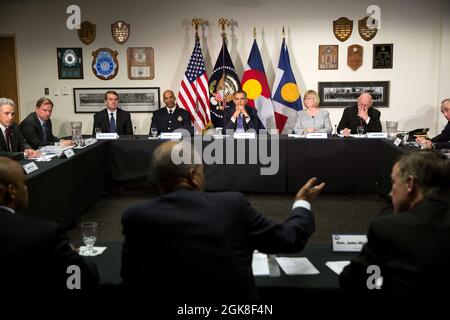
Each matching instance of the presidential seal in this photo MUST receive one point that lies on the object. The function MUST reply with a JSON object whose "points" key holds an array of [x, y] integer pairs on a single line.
{"points": [[105, 65]]}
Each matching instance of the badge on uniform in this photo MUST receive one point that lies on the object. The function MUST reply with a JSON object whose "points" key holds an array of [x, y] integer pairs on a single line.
{"points": [[180, 119]]}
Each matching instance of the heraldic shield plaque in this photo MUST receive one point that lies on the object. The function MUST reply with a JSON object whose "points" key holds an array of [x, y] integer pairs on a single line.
{"points": [[355, 56], [87, 32], [342, 28], [105, 65], [70, 63], [120, 31], [364, 31]]}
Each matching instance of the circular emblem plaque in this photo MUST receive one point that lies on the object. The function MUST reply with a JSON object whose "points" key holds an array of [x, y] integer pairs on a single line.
{"points": [[105, 65]]}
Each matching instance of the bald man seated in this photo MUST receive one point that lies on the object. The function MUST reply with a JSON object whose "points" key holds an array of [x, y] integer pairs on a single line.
{"points": [[362, 114], [35, 254]]}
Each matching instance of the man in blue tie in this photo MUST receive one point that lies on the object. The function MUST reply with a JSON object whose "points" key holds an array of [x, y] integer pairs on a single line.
{"points": [[36, 128], [113, 119], [241, 117]]}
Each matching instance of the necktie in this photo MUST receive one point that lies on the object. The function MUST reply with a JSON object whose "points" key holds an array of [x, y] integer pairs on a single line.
{"points": [[240, 124], [112, 124], [44, 132], [170, 112], [8, 138]]}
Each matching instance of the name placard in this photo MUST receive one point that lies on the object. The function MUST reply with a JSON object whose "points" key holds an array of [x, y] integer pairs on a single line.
{"points": [[30, 167], [69, 153], [397, 142], [244, 135], [171, 135], [89, 141], [316, 135], [377, 135], [348, 243], [106, 136]]}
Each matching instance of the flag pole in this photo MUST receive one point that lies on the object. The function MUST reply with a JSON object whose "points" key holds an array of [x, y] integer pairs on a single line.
{"points": [[222, 23], [195, 23]]}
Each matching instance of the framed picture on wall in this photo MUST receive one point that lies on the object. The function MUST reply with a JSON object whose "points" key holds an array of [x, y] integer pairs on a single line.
{"points": [[383, 55], [328, 57], [346, 93], [89, 100], [140, 62], [70, 63]]}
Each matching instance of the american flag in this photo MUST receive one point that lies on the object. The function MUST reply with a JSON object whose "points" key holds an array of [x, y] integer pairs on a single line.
{"points": [[194, 94]]}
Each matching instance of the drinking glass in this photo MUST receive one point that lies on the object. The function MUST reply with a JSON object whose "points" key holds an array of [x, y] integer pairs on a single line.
{"points": [[89, 234], [154, 132], [360, 130]]}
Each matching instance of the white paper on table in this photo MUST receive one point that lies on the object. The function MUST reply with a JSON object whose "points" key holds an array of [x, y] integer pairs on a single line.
{"points": [[97, 251], [353, 136], [296, 266], [337, 266], [260, 264], [46, 157], [294, 135]]}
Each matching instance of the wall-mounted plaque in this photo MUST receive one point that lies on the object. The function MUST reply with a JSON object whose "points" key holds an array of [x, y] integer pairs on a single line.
{"points": [[355, 56], [364, 31], [120, 31], [70, 63], [140, 63], [383, 55], [342, 28], [105, 65], [87, 32], [328, 57]]}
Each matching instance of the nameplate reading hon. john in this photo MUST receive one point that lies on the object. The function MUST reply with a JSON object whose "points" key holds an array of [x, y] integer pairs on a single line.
{"points": [[348, 243]]}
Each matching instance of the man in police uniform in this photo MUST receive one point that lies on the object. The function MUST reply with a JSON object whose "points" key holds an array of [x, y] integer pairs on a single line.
{"points": [[171, 117]]}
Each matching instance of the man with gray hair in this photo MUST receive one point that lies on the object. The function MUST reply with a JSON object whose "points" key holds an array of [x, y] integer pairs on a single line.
{"points": [[407, 255], [191, 245], [442, 140], [12, 143]]}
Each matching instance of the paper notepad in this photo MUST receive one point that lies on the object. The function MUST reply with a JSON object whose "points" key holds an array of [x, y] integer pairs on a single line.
{"points": [[337, 266], [260, 264], [296, 266]]}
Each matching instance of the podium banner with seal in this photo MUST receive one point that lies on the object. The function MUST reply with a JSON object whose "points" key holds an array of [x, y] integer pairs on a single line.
{"points": [[105, 65], [141, 63], [70, 63]]}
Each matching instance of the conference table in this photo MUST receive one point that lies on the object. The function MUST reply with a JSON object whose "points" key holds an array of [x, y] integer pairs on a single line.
{"points": [[62, 189], [274, 286]]}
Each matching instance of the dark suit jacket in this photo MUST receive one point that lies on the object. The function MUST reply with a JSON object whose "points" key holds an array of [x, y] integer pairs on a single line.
{"points": [[351, 120], [254, 122], [194, 245], [18, 144], [35, 254], [442, 140], [32, 131], [123, 122], [165, 122], [412, 250]]}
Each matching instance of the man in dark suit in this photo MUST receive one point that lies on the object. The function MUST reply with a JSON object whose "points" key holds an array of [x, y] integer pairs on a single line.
{"points": [[362, 115], [35, 254], [171, 117], [112, 119], [12, 143], [36, 128], [442, 140], [192, 245], [409, 249], [241, 117]]}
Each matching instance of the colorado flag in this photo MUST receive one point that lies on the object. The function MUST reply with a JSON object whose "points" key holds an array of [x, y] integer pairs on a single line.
{"points": [[286, 96], [254, 83]]}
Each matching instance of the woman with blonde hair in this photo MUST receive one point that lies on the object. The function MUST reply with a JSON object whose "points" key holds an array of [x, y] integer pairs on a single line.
{"points": [[312, 118]]}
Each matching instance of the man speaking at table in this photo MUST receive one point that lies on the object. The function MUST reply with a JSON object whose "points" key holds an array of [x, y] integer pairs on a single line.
{"points": [[360, 115], [241, 117], [113, 119], [191, 245]]}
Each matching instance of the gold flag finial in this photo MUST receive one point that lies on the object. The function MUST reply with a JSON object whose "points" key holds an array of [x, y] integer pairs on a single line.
{"points": [[223, 22], [197, 22], [254, 32]]}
